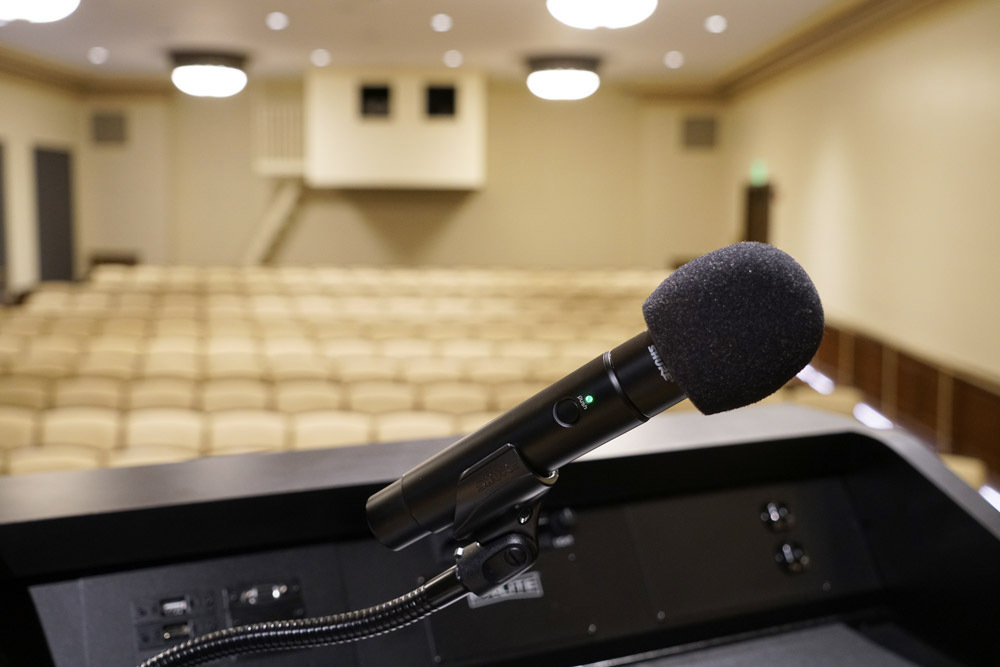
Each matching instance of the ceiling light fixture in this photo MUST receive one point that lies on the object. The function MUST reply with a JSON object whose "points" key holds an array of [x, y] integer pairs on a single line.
{"points": [[98, 55], [716, 24], [453, 58], [441, 23], [674, 59], [208, 74], [37, 11], [320, 57], [563, 78], [277, 20], [592, 14]]}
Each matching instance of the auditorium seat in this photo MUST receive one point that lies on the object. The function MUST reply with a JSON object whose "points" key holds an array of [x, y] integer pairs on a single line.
{"points": [[246, 431], [233, 365], [24, 391], [26, 323], [233, 394], [149, 455], [378, 396], [468, 423], [86, 391], [109, 364], [330, 428], [51, 458], [124, 326], [498, 370], [351, 370], [135, 304], [348, 347], [177, 326], [454, 398], [411, 425], [229, 326], [97, 428], [73, 326], [423, 370], [306, 395], [970, 470], [509, 394], [407, 348], [552, 369], [18, 427], [171, 364], [163, 392], [174, 427], [466, 348]]}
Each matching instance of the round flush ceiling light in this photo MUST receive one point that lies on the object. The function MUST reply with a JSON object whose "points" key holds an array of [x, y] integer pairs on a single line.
{"points": [[592, 14], [37, 11], [562, 78], [208, 74]]}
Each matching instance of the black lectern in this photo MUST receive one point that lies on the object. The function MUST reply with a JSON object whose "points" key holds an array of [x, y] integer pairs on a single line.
{"points": [[770, 535]]}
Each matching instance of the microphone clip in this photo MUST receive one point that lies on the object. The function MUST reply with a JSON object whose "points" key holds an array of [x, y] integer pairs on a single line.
{"points": [[496, 516]]}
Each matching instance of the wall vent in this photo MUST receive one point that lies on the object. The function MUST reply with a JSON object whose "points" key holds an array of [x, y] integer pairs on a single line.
{"points": [[108, 127], [699, 131]]}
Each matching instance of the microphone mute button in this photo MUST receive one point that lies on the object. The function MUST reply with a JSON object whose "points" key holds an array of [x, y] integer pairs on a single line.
{"points": [[567, 411]]}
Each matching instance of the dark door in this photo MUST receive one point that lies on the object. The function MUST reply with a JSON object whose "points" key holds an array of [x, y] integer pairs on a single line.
{"points": [[758, 213], [53, 179]]}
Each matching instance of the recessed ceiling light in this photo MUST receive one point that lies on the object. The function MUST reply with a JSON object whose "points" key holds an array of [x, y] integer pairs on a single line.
{"points": [[441, 23], [34, 11], [98, 55], [453, 58], [320, 58], [592, 14], [277, 20], [716, 23], [674, 59]]}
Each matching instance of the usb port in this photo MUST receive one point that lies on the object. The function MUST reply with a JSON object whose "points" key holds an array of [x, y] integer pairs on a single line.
{"points": [[173, 631], [175, 607]]}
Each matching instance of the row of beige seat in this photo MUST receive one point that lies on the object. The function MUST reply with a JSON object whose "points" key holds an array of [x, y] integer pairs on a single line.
{"points": [[517, 328], [82, 438], [475, 281], [468, 362], [367, 396], [324, 310]]}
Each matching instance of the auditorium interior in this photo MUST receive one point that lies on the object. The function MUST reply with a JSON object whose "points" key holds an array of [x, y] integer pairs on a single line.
{"points": [[227, 321]]}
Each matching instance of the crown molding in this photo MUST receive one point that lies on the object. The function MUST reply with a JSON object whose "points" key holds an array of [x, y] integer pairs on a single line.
{"points": [[841, 27], [36, 70]]}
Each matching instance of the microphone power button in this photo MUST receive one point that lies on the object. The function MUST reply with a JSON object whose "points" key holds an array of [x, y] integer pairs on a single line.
{"points": [[567, 411]]}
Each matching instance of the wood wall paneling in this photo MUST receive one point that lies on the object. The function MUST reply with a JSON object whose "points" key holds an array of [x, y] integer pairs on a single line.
{"points": [[976, 423], [867, 371], [917, 395], [827, 359]]}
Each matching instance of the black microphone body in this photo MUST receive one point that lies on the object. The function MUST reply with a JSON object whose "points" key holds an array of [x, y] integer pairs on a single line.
{"points": [[599, 401], [726, 330]]}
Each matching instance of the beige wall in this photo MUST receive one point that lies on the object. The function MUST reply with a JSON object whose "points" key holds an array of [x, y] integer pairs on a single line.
{"points": [[31, 116], [125, 199], [886, 161], [217, 199], [602, 182]]}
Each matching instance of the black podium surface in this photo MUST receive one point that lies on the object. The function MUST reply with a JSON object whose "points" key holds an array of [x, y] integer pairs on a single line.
{"points": [[772, 535]]}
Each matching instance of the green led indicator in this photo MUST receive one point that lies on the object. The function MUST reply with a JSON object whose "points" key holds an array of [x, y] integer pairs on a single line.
{"points": [[589, 399]]}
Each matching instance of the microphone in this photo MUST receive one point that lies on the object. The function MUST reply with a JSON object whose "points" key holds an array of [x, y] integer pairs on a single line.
{"points": [[726, 330]]}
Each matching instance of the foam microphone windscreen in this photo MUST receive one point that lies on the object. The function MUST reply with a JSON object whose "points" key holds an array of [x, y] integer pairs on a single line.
{"points": [[733, 326]]}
